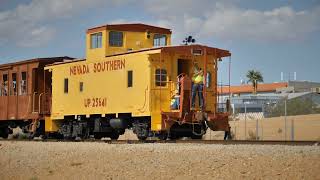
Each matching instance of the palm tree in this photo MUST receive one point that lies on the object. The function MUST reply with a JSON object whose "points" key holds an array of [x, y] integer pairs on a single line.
{"points": [[254, 77]]}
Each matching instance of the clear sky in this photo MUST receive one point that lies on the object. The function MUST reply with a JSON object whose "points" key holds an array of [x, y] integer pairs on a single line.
{"points": [[271, 36]]}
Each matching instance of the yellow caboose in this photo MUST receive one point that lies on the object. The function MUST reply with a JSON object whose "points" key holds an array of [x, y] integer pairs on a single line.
{"points": [[129, 79]]}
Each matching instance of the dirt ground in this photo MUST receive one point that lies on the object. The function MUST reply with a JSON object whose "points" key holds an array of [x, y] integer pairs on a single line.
{"points": [[91, 160]]}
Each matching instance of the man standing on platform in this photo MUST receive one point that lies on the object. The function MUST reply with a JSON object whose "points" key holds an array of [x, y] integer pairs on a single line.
{"points": [[197, 86]]}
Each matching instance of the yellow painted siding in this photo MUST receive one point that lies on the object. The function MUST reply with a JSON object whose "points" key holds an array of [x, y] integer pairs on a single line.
{"points": [[131, 40], [50, 126], [110, 85]]}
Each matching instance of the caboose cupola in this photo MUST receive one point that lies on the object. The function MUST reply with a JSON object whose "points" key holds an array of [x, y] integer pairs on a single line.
{"points": [[119, 38]]}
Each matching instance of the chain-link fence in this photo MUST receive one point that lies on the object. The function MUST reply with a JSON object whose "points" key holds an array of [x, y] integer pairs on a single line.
{"points": [[282, 119]]}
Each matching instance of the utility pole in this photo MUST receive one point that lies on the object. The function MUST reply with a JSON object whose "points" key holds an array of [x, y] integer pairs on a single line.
{"points": [[285, 119], [245, 120], [257, 129], [292, 129]]}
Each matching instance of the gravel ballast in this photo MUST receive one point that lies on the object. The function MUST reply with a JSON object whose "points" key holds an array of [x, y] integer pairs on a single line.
{"points": [[91, 160]]}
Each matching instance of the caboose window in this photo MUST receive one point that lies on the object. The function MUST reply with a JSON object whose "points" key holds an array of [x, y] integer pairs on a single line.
{"points": [[115, 38], [161, 77], [14, 84], [66, 85], [23, 84], [159, 40], [96, 40], [81, 86], [4, 91], [130, 77], [208, 80]]}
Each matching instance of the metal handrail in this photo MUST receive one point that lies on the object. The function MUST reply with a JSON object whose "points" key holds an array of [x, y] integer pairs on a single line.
{"points": [[40, 102], [33, 101]]}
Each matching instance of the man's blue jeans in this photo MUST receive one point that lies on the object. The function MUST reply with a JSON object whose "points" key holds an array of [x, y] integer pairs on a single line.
{"points": [[176, 103], [197, 88]]}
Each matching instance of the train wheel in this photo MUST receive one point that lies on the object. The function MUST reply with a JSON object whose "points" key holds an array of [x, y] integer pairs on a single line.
{"points": [[45, 136], [227, 135], [163, 135], [196, 136], [173, 136], [141, 129], [98, 135], [143, 134], [114, 136], [5, 132], [13, 125], [5, 136], [142, 137]]}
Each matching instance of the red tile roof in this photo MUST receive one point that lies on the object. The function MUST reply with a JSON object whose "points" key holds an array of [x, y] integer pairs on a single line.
{"points": [[247, 88]]}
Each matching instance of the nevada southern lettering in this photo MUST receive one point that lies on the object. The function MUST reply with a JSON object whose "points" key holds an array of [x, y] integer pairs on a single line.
{"points": [[98, 67]]}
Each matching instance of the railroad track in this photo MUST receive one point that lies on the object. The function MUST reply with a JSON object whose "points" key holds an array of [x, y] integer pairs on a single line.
{"points": [[221, 142], [229, 142]]}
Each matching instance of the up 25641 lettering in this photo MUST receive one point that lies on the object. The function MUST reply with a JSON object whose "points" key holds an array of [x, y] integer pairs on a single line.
{"points": [[95, 102]]}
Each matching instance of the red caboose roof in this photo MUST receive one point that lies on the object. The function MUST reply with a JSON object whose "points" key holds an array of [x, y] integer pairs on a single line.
{"points": [[183, 49], [135, 27]]}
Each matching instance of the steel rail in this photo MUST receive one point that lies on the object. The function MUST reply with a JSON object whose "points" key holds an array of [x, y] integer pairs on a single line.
{"points": [[218, 142]]}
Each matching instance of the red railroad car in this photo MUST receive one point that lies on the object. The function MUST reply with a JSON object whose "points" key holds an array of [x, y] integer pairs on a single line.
{"points": [[22, 98]]}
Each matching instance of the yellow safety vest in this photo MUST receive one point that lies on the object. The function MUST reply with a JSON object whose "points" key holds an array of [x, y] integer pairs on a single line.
{"points": [[198, 79], [173, 101]]}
